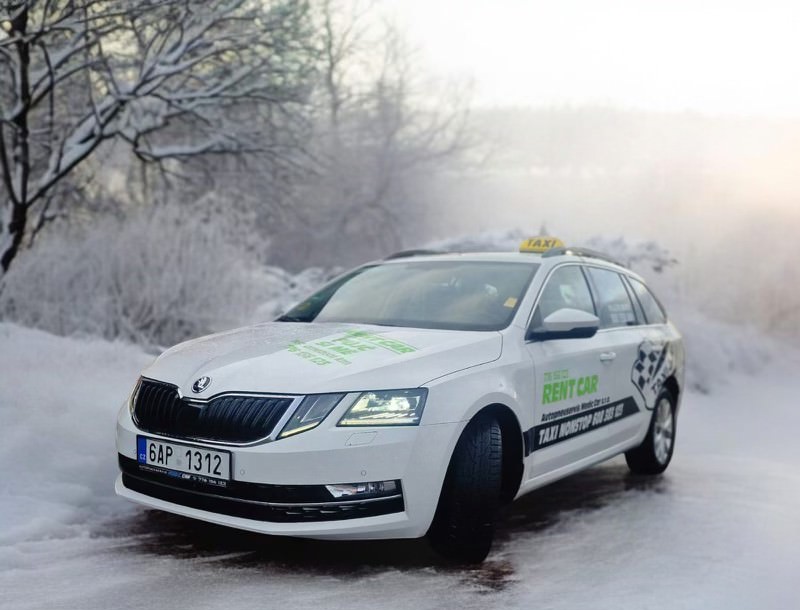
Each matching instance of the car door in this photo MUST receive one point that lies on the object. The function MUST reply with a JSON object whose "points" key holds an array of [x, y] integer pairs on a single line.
{"points": [[621, 337], [571, 387]]}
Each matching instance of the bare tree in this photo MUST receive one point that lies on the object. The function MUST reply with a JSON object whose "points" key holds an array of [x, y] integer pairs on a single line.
{"points": [[175, 79], [380, 130]]}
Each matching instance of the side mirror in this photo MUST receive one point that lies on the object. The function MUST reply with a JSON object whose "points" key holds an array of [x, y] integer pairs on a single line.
{"points": [[565, 323]]}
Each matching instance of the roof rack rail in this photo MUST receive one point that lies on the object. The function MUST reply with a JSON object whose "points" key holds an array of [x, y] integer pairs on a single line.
{"points": [[410, 253], [584, 252]]}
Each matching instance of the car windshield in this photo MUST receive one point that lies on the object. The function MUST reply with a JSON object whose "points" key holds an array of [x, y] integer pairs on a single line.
{"points": [[453, 295]]}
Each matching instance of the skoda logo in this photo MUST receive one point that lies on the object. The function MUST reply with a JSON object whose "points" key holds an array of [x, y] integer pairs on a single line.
{"points": [[201, 384]]}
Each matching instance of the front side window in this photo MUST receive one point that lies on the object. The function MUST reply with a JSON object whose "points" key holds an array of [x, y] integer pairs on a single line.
{"points": [[652, 310], [614, 305], [566, 288], [456, 295]]}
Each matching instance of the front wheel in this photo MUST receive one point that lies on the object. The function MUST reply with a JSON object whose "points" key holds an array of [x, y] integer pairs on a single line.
{"points": [[463, 527], [655, 452]]}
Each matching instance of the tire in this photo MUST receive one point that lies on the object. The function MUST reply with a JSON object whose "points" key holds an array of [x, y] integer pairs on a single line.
{"points": [[655, 453], [463, 527]]}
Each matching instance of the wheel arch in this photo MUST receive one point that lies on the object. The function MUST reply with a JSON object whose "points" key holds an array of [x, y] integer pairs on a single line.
{"points": [[671, 384], [513, 447]]}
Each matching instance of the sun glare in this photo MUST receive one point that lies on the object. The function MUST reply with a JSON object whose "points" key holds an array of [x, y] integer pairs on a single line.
{"points": [[705, 55]]}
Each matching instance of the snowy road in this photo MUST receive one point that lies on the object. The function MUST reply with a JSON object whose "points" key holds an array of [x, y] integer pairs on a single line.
{"points": [[720, 530]]}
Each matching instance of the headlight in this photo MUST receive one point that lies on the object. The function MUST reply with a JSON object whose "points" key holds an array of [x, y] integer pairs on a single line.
{"points": [[310, 413], [389, 408]]}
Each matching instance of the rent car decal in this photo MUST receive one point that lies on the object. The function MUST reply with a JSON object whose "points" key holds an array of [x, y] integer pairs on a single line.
{"points": [[653, 366], [342, 349], [558, 385], [552, 432]]}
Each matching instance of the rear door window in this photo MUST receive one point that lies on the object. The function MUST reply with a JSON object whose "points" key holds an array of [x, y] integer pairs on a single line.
{"points": [[614, 306], [652, 310]]}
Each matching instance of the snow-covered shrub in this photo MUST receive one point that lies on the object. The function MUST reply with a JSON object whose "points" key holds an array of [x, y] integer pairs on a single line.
{"points": [[640, 255], [488, 241], [718, 351], [645, 255], [157, 278]]}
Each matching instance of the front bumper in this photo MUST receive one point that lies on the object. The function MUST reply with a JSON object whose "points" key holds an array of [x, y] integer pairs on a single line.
{"points": [[277, 503], [276, 486]]}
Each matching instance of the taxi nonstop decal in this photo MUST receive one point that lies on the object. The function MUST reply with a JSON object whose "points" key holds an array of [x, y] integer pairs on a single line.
{"points": [[342, 349], [585, 419], [591, 413], [654, 364]]}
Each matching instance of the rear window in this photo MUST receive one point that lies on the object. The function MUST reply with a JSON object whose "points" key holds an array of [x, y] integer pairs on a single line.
{"points": [[652, 309]]}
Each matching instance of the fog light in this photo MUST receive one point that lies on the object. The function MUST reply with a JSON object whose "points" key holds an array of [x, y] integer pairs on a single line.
{"points": [[364, 490]]}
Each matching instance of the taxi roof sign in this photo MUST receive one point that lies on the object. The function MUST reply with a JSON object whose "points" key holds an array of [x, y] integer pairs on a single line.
{"points": [[540, 244]]}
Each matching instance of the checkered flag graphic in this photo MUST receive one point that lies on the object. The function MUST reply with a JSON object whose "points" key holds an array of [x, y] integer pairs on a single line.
{"points": [[654, 363]]}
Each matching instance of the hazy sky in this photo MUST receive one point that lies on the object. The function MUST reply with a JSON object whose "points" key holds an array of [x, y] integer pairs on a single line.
{"points": [[732, 57]]}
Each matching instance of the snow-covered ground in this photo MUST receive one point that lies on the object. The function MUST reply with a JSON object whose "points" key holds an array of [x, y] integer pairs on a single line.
{"points": [[58, 403], [719, 530]]}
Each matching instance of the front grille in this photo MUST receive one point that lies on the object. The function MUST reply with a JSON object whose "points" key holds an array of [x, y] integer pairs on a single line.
{"points": [[158, 408]]}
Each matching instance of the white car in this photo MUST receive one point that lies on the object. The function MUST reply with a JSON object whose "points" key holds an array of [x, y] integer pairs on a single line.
{"points": [[410, 396]]}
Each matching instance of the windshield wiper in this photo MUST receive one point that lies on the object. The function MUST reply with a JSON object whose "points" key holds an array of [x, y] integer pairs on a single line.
{"points": [[287, 318]]}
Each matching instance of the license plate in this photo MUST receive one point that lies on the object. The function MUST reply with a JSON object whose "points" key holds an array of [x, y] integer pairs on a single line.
{"points": [[187, 459]]}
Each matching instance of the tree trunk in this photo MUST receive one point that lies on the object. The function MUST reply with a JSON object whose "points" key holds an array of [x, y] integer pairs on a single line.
{"points": [[16, 231], [17, 178]]}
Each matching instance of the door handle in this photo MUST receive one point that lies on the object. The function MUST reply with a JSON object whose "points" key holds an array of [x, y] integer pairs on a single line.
{"points": [[607, 356]]}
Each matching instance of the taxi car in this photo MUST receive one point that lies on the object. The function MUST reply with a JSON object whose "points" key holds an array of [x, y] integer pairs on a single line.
{"points": [[408, 397]]}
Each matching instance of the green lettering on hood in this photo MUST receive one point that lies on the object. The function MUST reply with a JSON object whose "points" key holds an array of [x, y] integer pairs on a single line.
{"points": [[342, 349]]}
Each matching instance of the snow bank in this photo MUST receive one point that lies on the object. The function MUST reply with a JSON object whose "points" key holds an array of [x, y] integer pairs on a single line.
{"points": [[58, 403]]}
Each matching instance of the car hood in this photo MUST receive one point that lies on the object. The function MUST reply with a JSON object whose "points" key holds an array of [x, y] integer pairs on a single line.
{"points": [[309, 358]]}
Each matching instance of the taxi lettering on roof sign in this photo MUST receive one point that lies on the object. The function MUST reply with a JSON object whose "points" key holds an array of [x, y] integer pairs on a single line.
{"points": [[540, 244], [410, 397]]}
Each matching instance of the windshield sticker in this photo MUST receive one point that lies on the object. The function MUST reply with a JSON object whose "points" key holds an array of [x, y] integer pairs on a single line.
{"points": [[511, 302], [342, 349], [558, 385]]}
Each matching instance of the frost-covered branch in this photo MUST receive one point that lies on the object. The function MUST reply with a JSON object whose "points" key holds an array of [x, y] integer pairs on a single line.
{"points": [[175, 78], [381, 130]]}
